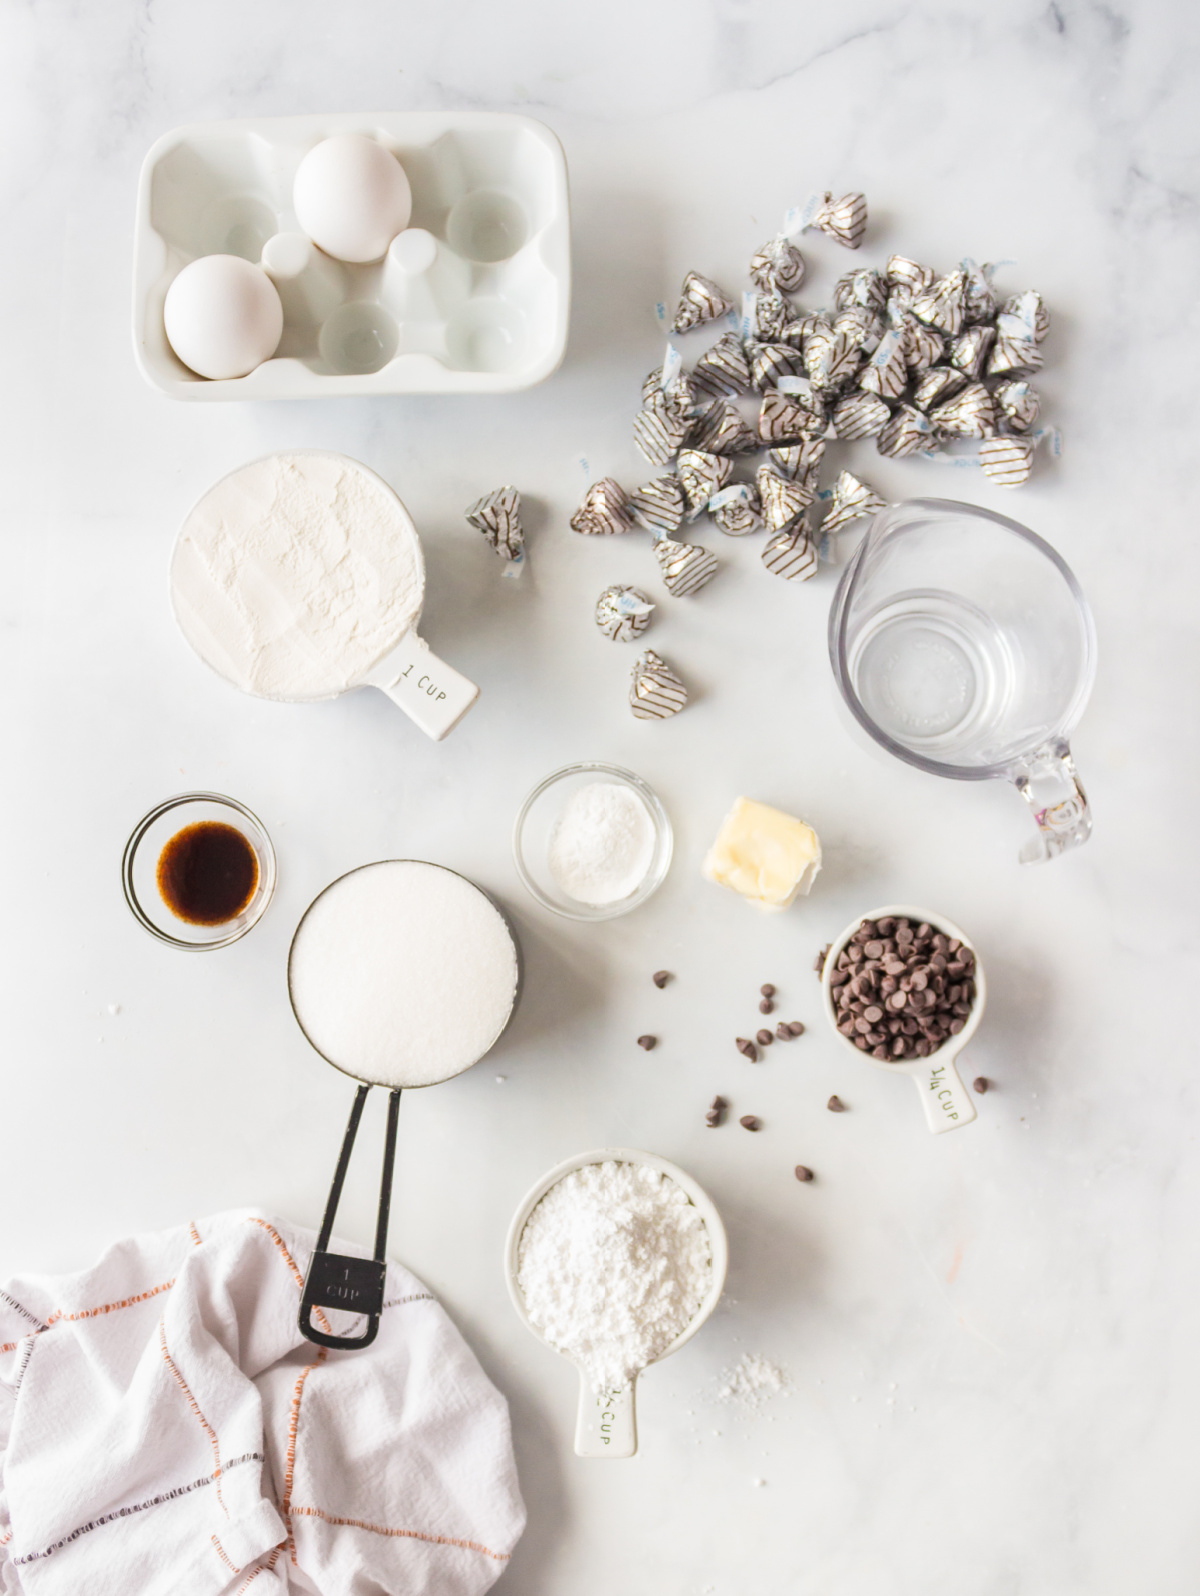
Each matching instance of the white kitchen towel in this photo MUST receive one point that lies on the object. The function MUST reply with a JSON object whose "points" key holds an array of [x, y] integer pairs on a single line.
{"points": [[166, 1431]]}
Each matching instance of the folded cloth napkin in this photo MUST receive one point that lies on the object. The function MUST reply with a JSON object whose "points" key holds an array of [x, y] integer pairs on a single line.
{"points": [[166, 1431]]}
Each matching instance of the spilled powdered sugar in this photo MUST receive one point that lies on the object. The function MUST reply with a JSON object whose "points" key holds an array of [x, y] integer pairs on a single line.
{"points": [[752, 1381], [614, 1263]]}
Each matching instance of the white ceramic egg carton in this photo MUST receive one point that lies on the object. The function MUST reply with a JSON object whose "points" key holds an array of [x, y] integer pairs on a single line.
{"points": [[471, 298]]}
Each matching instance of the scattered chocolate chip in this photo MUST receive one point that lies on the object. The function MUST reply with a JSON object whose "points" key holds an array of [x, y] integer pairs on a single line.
{"points": [[764, 1038], [750, 1121], [803, 1172], [766, 1006], [647, 1042], [716, 1112], [796, 1027], [660, 978], [819, 961], [980, 1083], [783, 1031], [836, 1106], [746, 1046], [767, 989]]}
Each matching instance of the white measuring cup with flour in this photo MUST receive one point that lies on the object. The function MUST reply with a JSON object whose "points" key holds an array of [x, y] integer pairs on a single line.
{"points": [[943, 1093], [606, 1422], [401, 974], [300, 576]]}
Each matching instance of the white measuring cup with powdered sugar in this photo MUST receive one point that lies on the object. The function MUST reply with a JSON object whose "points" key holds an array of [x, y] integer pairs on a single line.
{"points": [[300, 576], [606, 1424], [944, 1096]]}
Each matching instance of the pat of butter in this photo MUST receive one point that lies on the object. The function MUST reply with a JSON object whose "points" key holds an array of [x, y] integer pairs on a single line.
{"points": [[764, 854]]}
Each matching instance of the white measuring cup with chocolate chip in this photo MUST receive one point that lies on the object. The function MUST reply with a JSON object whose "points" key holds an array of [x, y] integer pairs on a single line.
{"points": [[300, 576], [615, 1258], [904, 989]]}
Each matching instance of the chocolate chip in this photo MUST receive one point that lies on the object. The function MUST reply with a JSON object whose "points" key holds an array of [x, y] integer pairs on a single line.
{"points": [[766, 1006], [746, 1046], [716, 1112], [803, 1172], [647, 1042], [750, 1122], [660, 978], [767, 989], [764, 1038], [783, 1031], [796, 1027], [835, 1105], [980, 1083], [874, 1014], [819, 961]]}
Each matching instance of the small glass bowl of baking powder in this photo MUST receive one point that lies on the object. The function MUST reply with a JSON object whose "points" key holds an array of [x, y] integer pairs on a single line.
{"points": [[592, 841]]}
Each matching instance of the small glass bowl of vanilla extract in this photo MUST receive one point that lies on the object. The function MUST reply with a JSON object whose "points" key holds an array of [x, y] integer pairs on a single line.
{"points": [[198, 871]]}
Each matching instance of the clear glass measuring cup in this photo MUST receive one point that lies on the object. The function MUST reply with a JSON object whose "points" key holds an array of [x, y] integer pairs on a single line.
{"points": [[963, 644]]}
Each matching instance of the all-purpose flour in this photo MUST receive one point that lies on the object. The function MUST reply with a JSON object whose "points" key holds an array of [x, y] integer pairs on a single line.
{"points": [[295, 575], [613, 1264]]}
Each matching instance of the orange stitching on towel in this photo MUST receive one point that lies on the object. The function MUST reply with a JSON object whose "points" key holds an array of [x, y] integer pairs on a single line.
{"points": [[193, 1232], [108, 1307], [405, 1534], [195, 1407], [254, 1573], [285, 1507], [10, 1346], [5, 1538], [291, 1263], [221, 1553]]}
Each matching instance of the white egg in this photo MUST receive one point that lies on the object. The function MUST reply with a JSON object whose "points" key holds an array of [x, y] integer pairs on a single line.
{"points": [[351, 197], [223, 316]]}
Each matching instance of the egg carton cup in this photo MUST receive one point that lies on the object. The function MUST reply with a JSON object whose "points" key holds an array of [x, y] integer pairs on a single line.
{"points": [[472, 297]]}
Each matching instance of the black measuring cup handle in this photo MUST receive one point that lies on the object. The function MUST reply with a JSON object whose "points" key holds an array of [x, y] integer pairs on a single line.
{"points": [[335, 1280]]}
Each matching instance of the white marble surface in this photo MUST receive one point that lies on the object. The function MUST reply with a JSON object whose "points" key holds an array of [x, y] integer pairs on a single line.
{"points": [[990, 1337]]}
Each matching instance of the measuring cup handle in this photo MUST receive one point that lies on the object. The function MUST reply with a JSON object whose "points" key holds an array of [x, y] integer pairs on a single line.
{"points": [[1050, 785], [946, 1101], [607, 1423], [430, 692]]}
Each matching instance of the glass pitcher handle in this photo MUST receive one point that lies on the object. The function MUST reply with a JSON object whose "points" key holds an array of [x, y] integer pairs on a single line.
{"points": [[1050, 785]]}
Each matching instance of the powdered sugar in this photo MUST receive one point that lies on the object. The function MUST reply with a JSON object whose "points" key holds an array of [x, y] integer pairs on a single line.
{"points": [[751, 1382], [614, 1263], [602, 844]]}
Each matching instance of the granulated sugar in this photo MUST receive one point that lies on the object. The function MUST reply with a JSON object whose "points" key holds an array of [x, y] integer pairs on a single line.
{"points": [[403, 973], [614, 1263], [602, 844], [751, 1382], [295, 575]]}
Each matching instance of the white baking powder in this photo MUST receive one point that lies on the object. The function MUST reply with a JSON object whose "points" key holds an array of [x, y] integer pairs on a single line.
{"points": [[602, 843], [295, 575], [751, 1382], [613, 1264], [403, 973]]}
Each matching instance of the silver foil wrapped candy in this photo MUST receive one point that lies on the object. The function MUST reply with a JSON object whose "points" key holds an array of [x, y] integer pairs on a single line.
{"points": [[737, 509], [623, 612], [860, 415], [979, 298], [1017, 404], [604, 510], [723, 369], [862, 287], [777, 266], [886, 371], [969, 414], [685, 567], [793, 460], [850, 499], [909, 274], [922, 346], [701, 474], [700, 301], [661, 427], [498, 516], [783, 499], [1008, 460], [908, 432], [655, 692], [722, 429], [783, 416], [792, 555], [658, 505], [831, 358], [941, 307], [969, 351], [844, 219], [769, 362], [937, 384]]}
